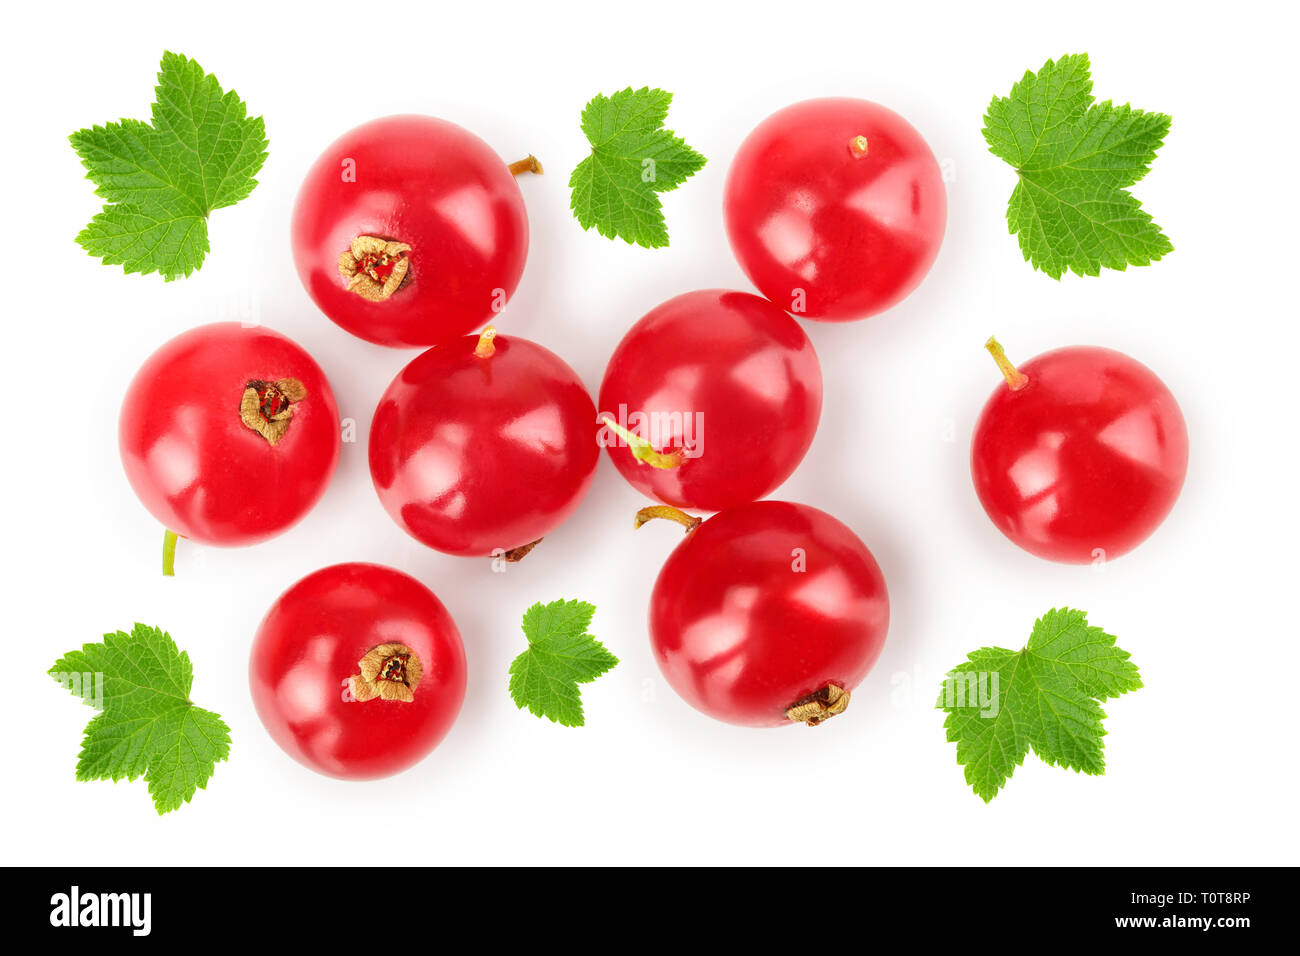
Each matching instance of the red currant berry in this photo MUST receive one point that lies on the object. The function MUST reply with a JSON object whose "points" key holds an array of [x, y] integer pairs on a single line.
{"points": [[767, 614], [1080, 455], [410, 231], [711, 400], [357, 671], [835, 208], [483, 445], [229, 435]]}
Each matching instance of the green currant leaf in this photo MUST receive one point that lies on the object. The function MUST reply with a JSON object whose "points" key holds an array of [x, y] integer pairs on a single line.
{"points": [[161, 180], [633, 158], [146, 726], [1044, 697], [560, 656], [1073, 157]]}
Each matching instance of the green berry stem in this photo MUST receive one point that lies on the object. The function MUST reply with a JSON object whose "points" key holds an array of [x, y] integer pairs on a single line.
{"points": [[169, 553], [529, 164], [1016, 379], [643, 451], [649, 513], [484, 348]]}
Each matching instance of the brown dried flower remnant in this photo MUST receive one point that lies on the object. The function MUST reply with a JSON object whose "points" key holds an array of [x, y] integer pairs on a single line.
{"points": [[389, 672], [820, 706], [375, 268], [267, 407]]}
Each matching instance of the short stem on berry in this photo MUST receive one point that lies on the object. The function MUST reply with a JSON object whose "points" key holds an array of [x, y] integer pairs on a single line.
{"points": [[1015, 378], [485, 348], [529, 164], [858, 146], [642, 450], [687, 521], [169, 553]]}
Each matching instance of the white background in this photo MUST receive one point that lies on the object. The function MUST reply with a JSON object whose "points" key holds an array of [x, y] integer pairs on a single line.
{"points": [[1200, 763]]}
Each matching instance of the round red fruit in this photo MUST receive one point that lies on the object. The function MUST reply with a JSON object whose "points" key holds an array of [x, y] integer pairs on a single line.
{"points": [[357, 671], [835, 208], [483, 445], [1080, 455], [229, 435], [711, 400], [768, 614], [410, 231]]}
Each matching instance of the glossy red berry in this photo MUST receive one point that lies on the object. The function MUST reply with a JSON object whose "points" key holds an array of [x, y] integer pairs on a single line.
{"points": [[357, 671], [1080, 455], [768, 614], [711, 400], [229, 435], [483, 445], [835, 208], [410, 231]]}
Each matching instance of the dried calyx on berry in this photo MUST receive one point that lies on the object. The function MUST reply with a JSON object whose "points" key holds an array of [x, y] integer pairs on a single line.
{"points": [[819, 706], [267, 407], [389, 672], [375, 268], [515, 555]]}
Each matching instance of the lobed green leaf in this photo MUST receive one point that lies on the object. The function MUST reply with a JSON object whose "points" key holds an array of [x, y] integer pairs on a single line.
{"points": [[146, 726], [560, 656], [162, 180], [1070, 210], [632, 160], [1047, 700]]}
